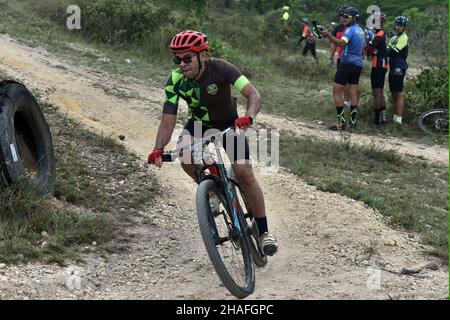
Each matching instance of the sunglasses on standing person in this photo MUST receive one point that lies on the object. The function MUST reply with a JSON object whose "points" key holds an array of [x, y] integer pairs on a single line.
{"points": [[346, 16], [186, 59]]}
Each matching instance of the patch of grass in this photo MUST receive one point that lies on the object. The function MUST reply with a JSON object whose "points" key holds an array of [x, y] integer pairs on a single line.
{"points": [[24, 216], [95, 177], [290, 84], [73, 182], [414, 194]]}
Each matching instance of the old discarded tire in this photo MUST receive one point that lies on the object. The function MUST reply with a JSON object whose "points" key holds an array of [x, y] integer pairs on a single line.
{"points": [[26, 146]]}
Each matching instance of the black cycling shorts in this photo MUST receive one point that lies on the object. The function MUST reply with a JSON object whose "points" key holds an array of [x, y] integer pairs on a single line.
{"points": [[309, 46], [377, 77], [237, 149], [338, 62], [347, 74], [396, 80]]}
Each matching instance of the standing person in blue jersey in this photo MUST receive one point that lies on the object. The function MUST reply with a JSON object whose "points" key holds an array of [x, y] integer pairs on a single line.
{"points": [[338, 32], [350, 68], [397, 51], [377, 50]]}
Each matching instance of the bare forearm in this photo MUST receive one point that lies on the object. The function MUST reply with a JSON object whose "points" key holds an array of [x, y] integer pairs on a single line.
{"points": [[337, 42], [253, 104], [165, 131], [332, 50]]}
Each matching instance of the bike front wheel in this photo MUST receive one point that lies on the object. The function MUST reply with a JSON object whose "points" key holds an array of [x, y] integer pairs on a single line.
{"points": [[434, 121], [226, 245]]}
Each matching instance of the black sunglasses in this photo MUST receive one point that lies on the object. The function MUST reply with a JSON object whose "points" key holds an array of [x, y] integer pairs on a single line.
{"points": [[345, 16], [186, 59]]}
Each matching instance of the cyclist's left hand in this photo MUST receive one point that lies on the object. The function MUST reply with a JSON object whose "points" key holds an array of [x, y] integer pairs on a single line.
{"points": [[243, 122]]}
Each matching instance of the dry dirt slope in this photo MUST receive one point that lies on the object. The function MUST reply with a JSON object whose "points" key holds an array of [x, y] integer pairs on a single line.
{"points": [[331, 247]]}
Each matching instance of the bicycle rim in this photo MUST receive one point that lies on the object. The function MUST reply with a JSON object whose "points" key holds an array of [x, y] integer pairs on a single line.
{"points": [[434, 122], [232, 258]]}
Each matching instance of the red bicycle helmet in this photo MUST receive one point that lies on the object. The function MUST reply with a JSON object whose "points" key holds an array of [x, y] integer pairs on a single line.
{"points": [[189, 40]]}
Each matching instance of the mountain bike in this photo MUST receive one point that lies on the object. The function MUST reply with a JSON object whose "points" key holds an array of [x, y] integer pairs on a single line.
{"points": [[228, 228], [434, 121]]}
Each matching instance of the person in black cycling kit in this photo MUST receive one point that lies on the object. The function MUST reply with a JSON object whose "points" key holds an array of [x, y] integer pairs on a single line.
{"points": [[350, 68], [310, 44], [205, 86], [397, 51], [377, 50]]}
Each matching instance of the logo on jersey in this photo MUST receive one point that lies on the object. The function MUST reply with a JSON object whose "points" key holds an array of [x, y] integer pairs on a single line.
{"points": [[212, 89]]}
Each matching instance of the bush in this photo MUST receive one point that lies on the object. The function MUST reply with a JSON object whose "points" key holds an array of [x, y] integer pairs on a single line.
{"points": [[427, 90], [298, 66], [117, 21]]}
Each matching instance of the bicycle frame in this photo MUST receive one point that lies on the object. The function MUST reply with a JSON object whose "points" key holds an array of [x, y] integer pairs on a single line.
{"points": [[222, 178]]}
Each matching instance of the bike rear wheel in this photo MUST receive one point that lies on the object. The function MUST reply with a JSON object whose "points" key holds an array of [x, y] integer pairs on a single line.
{"points": [[228, 248], [434, 121]]}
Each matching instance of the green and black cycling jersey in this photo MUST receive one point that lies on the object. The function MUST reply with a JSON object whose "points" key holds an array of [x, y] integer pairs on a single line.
{"points": [[398, 52], [209, 98]]}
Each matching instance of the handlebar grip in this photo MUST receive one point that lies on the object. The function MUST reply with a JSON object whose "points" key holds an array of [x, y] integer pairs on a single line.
{"points": [[167, 157]]}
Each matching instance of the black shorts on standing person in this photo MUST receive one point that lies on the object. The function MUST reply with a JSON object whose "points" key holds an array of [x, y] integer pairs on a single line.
{"points": [[347, 74], [396, 80]]}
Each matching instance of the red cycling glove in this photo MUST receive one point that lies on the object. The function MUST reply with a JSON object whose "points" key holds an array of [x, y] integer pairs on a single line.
{"points": [[155, 154], [243, 122]]}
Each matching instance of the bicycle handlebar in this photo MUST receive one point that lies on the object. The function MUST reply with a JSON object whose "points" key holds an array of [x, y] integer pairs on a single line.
{"points": [[171, 156]]}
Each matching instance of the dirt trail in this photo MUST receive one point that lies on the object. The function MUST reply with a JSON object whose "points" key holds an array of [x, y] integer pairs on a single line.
{"points": [[331, 247], [433, 153]]}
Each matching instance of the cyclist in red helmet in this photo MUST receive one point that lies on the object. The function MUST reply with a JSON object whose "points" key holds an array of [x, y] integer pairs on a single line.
{"points": [[205, 85]]}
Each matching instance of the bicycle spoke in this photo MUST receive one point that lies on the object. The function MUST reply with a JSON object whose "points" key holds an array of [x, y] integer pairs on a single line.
{"points": [[434, 121]]}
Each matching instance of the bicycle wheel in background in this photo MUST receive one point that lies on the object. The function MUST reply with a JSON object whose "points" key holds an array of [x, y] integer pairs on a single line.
{"points": [[434, 121], [227, 248]]}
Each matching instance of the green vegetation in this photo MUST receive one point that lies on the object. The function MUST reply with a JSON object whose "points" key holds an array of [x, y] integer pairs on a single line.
{"points": [[89, 171], [414, 194], [428, 90], [248, 33], [252, 39], [33, 228]]}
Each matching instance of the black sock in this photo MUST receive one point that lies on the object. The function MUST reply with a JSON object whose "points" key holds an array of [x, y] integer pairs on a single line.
{"points": [[354, 111], [377, 116], [262, 225], [340, 114], [383, 115]]}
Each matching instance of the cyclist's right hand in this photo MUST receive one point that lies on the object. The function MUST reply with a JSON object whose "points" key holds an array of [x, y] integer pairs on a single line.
{"points": [[243, 122], [155, 157]]}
